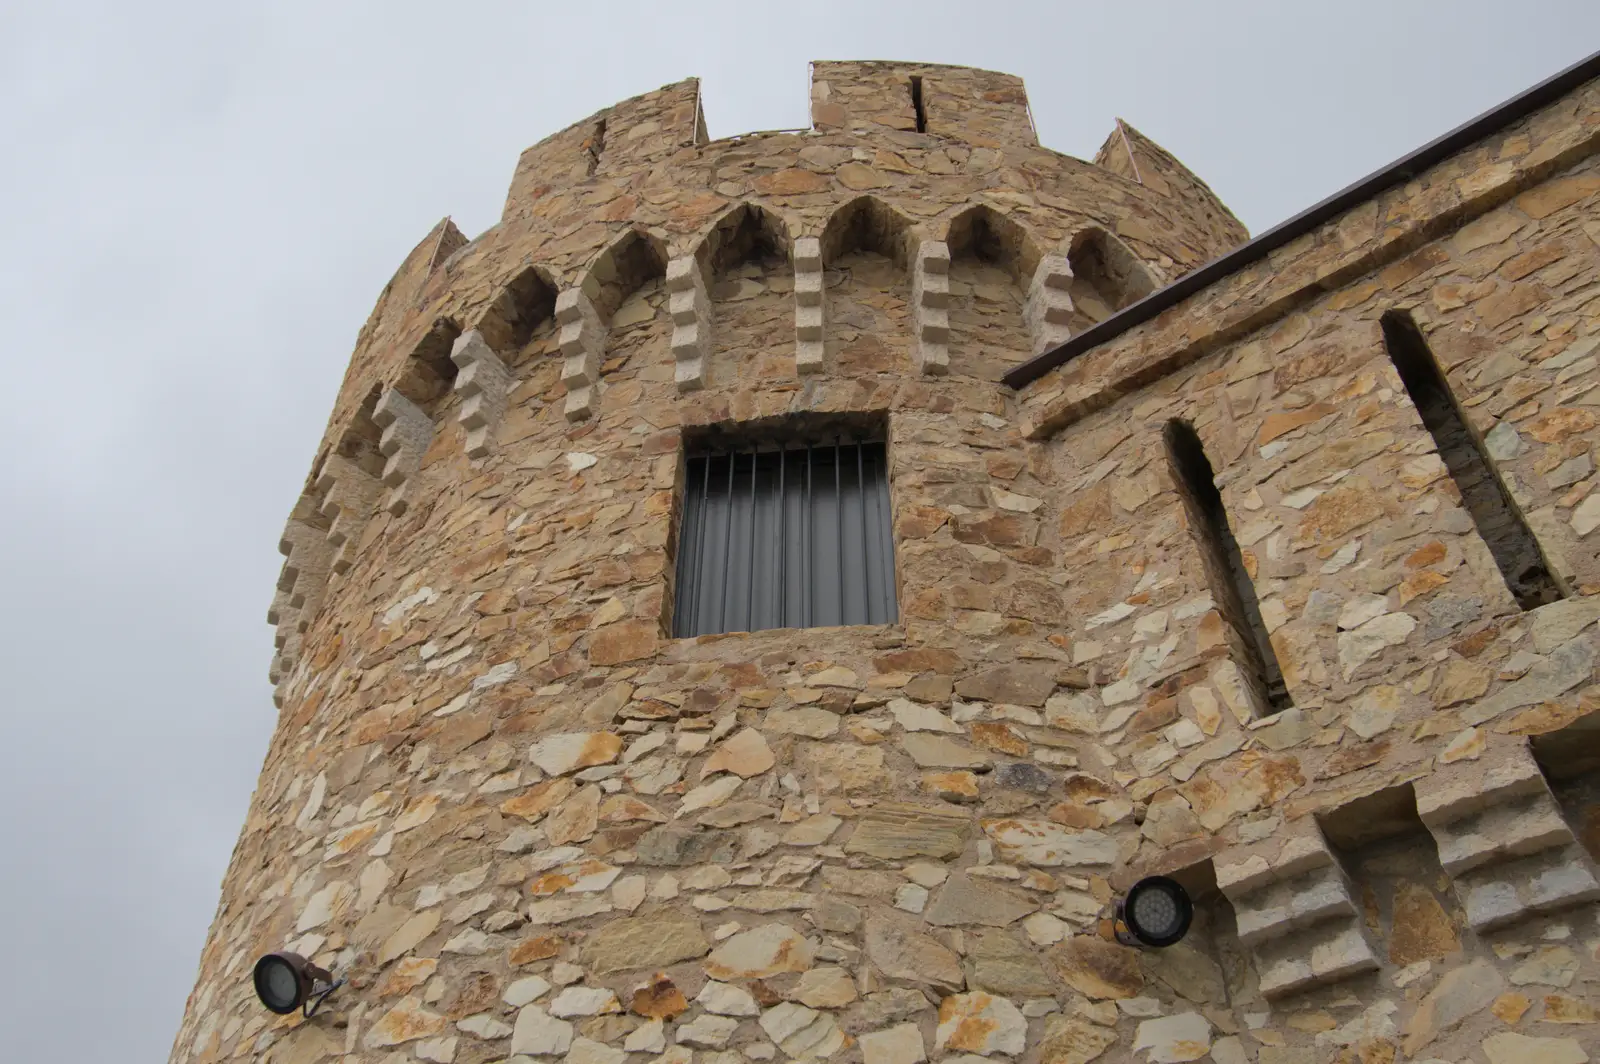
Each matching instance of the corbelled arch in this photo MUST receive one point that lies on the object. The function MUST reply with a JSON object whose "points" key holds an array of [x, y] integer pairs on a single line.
{"points": [[611, 312], [862, 263], [990, 258], [523, 308], [1106, 275], [741, 319]]}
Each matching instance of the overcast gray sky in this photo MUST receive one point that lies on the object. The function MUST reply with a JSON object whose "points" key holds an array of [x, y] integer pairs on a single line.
{"points": [[204, 202]]}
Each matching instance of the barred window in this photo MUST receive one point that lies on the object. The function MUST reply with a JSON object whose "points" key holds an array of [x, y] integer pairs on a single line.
{"points": [[790, 536]]}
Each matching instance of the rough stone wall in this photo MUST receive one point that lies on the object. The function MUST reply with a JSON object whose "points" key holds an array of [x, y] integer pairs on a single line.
{"points": [[530, 826]]}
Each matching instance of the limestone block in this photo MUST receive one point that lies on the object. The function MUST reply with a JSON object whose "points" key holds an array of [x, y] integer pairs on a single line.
{"points": [[583, 345], [690, 308], [349, 494], [483, 382], [1502, 838], [407, 431], [1295, 910], [930, 307], [1048, 309], [808, 304]]}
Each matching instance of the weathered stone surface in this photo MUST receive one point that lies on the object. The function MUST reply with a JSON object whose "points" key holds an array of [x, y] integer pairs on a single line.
{"points": [[561, 754], [1422, 929], [537, 1033], [980, 1023], [901, 1044], [746, 754], [1048, 845], [899, 829], [1174, 1039], [1458, 995], [1509, 1047], [1072, 1041], [770, 949], [1097, 968], [900, 949], [1020, 685], [651, 941], [1001, 962], [964, 901], [935, 751]]}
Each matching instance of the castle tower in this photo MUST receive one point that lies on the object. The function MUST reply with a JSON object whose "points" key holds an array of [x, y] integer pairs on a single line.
{"points": [[691, 647]]}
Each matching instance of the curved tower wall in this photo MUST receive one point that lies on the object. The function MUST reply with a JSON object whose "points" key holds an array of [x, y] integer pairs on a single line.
{"points": [[527, 823]]}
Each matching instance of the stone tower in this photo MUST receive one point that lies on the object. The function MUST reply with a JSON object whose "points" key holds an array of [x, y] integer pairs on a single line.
{"points": [[1268, 576]]}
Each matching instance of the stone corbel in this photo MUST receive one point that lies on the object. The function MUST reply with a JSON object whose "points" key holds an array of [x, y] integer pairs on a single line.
{"points": [[808, 305], [484, 383], [583, 344], [930, 307], [407, 431], [1049, 306], [349, 494], [1502, 839], [1296, 912], [691, 322]]}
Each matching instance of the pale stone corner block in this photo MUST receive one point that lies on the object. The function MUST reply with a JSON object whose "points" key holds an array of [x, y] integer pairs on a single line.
{"points": [[407, 431], [349, 494], [1048, 309], [930, 303], [583, 344], [483, 382], [690, 308], [808, 303]]}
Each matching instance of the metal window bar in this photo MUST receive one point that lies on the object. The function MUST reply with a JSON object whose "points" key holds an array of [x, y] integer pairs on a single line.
{"points": [[750, 557]]}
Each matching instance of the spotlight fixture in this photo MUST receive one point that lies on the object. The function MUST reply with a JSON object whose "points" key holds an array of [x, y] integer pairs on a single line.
{"points": [[1155, 912], [287, 981]]}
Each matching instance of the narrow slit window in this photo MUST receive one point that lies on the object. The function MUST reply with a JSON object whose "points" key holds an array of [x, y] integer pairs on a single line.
{"points": [[917, 106], [1499, 520], [596, 145], [1232, 590], [794, 536]]}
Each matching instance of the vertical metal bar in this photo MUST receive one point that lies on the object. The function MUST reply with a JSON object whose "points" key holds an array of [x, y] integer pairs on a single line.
{"points": [[727, 546], [881, 506], [808, 567], [688, 539], [750, 597], [783, 537], [838, 516], [866, 548], [700, 546]]}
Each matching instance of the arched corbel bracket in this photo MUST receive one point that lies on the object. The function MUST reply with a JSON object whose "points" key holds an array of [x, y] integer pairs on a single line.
{"points": [[930, 307], [407, 432], [808, 328], [483, 384], [1049, 306], [690, 307], [583, 344]]}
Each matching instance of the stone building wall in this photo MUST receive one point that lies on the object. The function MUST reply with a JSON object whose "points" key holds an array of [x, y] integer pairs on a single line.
{"points": [[531, 826]]}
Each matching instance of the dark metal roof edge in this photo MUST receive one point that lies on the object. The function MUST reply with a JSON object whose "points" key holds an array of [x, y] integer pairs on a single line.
{"points": [[1401, 170]]}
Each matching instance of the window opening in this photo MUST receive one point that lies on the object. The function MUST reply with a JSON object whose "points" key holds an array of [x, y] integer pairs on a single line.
{"points": [[1484, 496], [1231, 587], [917, 104], [788, 535], [596, 145]]}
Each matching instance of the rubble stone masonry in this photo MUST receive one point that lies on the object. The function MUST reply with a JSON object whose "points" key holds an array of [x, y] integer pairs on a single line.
{"points": [[527, 825]]}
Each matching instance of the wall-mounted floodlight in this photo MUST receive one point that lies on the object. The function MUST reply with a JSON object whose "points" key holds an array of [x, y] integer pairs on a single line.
{"points": [[287, 981], [1156, 912]]}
